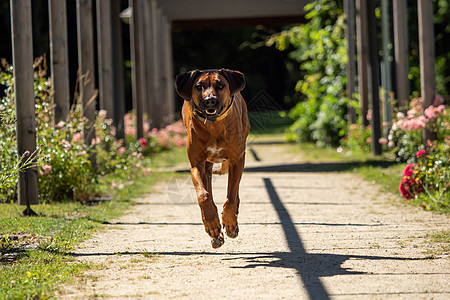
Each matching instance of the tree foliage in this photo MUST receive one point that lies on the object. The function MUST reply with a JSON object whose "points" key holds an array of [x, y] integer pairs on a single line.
{"points": [[319, 47]]}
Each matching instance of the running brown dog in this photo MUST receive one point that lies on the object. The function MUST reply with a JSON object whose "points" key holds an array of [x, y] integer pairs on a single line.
{"points": [[215, 116]]}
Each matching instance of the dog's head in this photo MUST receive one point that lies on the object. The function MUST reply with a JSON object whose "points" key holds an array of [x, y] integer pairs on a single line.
{"points": [[210, 90]]}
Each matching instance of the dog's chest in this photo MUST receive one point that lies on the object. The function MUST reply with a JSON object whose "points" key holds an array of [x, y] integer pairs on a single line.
{"points": [[216, 153]]}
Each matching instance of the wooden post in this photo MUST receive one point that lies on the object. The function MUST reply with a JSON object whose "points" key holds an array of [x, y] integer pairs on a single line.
{"points": [[400, 12], [105, 57], [349, 9], [136, 66], [426, 47], [387, 67], [163, 80], [374, 79], [88, 93], [363, 57], [168, 71], [158, 115], [22, 51], [59, 59], [148, 51], [118, 78]]}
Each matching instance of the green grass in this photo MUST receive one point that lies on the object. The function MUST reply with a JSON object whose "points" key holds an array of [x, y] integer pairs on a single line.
{"points": [[268, 122], [388, 178], [35, 251], [439, 242], [173, 157], [33, 272]]}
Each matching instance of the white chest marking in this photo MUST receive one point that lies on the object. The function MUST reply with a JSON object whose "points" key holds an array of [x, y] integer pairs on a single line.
{"points": [[214, 150]]}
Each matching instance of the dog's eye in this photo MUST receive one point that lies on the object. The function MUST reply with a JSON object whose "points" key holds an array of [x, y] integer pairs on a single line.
{"points": [[199, 87], [220, 86]]}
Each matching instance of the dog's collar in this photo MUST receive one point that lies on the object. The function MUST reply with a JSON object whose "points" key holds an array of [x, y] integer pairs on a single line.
{"points": [[204, 119]]}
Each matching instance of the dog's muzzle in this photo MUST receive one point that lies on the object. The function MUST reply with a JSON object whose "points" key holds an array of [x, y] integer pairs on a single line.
{"points": [[210, 106]]}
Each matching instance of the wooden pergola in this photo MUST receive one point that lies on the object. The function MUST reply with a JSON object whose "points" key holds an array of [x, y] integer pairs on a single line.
{"points": [[362, 12], [151, 22]]}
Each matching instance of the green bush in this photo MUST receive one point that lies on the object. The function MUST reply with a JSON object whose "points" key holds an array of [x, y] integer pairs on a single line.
{"points": [[319, 47], [10, 163]]}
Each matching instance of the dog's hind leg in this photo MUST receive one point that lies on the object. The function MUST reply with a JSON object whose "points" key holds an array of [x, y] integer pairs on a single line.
{"points": [[231, 206], [201, 177]]}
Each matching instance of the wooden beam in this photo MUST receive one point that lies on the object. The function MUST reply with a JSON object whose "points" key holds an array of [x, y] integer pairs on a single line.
{"points": [[400, 13], [148, 51], [427, 60], [118, 73], [363, 58], [374, 80], [136, 66], [349, 10], [105, 57], [157, 118], [59, 59], [211, 24], [22, 52], [168, 71], [386, 78], [88, 93]]}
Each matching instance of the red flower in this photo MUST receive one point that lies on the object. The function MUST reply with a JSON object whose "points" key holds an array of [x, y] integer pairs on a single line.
{"points": [[409, 186], [143, 143], [420, 153]]}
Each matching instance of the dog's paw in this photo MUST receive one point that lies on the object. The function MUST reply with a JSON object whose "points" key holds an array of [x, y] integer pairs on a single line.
{"points": [[217, 241], [232, 232]]}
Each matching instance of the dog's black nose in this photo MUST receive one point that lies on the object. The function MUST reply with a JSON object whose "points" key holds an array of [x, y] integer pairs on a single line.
{"points": [[209, 101]]}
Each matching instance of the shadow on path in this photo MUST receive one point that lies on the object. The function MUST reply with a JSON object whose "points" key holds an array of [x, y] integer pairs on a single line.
{"points": [[312, 167]]}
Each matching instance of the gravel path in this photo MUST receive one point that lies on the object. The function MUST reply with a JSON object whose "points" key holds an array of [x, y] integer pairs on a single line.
{"points": [[303, 235]]}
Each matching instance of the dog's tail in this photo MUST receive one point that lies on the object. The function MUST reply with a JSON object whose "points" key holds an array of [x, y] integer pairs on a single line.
{"points": [[223, 168]]}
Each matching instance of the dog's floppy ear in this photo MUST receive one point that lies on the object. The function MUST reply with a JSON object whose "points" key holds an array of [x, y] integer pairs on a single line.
{"points": [[184, 84], [235, 79]]}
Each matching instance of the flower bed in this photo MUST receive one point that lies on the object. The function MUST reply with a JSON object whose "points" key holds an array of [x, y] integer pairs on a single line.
{"points": [[426, 178], [64, 165]]}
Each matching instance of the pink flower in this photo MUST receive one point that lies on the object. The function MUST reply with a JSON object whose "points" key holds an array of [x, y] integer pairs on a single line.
{"points": [[66, 144], [143, 143], [121, 150], [130, 131], [46, 168], [102, 114], [431, 112], [60, 124], [95, 141], [420, 153], [383, 141], [438, 100], [77, 136], [369, 115]]}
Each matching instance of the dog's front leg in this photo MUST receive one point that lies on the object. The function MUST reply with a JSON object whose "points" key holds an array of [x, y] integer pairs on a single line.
{"points": [[201, 177]]}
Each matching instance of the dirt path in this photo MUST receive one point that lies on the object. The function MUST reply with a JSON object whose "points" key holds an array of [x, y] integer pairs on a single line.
{"points": [[303, 235]]}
